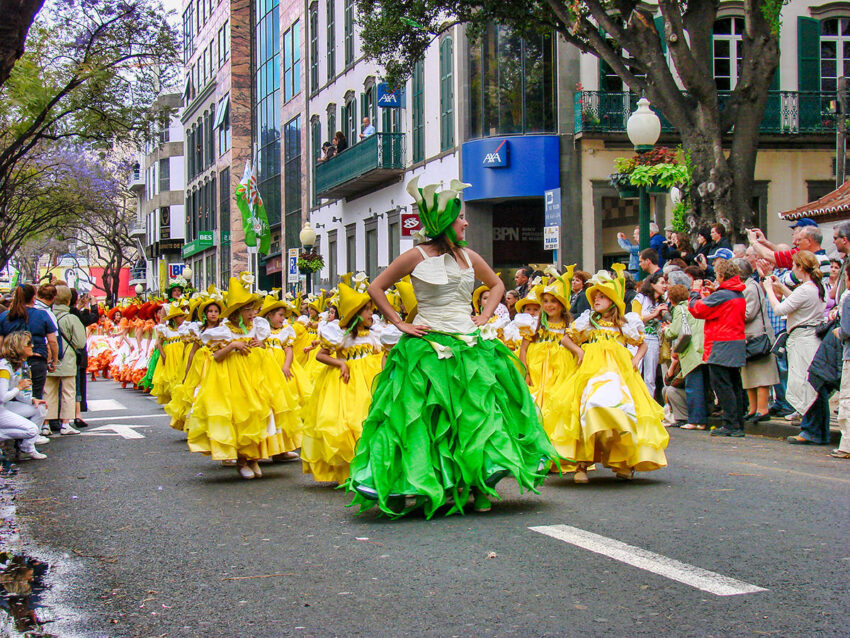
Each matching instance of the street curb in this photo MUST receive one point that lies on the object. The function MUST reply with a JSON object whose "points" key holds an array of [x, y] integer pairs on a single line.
{"points": [[781, 429]]}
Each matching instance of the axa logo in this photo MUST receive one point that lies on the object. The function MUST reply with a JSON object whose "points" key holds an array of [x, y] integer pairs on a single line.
{"points": [[388, 99], [498, 157]]}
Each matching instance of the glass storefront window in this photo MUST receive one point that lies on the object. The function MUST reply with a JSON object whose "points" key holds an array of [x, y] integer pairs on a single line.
{"points": [[512, 84]]}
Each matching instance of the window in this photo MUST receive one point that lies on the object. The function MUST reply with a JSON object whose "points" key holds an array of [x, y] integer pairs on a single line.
{"points": [[224, 223], [209, 139], [331, 40], [417, 102], [393, 235], [292, 62], [267, 107], [834, 52], [292, 180], [223, 124], [351, 248], [226, 40], [728, 52], [513, 84], [447, 127], [210, 271], [331, 121], [391, 120], [349, 120], [314, 47], [349, 32], [211, 204], [332, 256], [371, 226], [164, 175], [203, 69], [315, 151], [188, 34]]}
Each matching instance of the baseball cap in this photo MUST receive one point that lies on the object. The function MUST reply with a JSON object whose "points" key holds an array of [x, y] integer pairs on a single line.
{"points": [[805, 221], [721, 253]]}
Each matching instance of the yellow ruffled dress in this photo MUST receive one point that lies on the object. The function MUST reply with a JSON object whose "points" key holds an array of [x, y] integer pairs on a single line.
{"points": [[241, 408], [612, 418], [334, 417], [170, 367], [299, 384], [549, 365], [188, 380]]}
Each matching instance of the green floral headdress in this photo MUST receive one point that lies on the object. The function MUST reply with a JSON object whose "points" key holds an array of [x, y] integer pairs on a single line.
{"points": [[437, 211]]}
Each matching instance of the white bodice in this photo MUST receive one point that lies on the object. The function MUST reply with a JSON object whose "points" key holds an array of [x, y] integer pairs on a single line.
{"points": [[444, 293]]}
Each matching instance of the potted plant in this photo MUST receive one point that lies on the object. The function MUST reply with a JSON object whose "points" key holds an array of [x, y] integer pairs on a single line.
{"points": [[657, 170], [310, 262]]}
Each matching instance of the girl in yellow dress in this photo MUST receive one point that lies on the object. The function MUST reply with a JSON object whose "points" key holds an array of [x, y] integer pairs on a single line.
{"points": [[239, 412], [548, 363], [169, 368], [613, 420], [352, 357], [280, 344], [195, 360]]}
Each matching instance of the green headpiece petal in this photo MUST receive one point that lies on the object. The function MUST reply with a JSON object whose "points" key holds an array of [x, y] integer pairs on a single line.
{"points": [[437, 211]]}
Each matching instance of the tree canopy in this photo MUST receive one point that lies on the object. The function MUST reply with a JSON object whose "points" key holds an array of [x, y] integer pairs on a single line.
{"points": [[668, 60]]}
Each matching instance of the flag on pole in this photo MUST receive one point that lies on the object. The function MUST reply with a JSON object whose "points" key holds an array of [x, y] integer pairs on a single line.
{"points": [[255, 222]]}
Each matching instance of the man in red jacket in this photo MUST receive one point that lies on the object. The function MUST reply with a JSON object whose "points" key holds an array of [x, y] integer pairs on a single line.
{"points": [[725, 347]]}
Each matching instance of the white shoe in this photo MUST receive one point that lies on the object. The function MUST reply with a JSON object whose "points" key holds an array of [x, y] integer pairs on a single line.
{"points": [[41, 440], [35, 455], [794, 416], [255, 468], [68, 429], [45, 431], [245, 472]]}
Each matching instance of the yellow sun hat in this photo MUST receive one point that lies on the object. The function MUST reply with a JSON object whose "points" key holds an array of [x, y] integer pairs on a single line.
{"points": [[407, 298], [532, 298], [613, 288], [272, 303], [350, 303], [476, 295], [559, 287], [174, 310], [238, 295]]}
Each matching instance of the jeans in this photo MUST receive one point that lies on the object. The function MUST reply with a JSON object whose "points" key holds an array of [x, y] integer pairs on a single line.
{"points": [[815, 424], [726, 383], [38, 374], [780, 403], [695, 387]]}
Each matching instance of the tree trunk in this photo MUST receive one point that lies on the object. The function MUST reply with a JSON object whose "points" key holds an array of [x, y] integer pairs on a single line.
{"points": [[18, 16]]}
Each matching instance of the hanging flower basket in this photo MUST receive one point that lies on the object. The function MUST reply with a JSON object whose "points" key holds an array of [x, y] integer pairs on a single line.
{"points": [[310, 262]]}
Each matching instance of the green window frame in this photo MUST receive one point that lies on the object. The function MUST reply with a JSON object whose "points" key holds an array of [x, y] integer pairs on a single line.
{"points": [[447, 127], [349, 32], [418, 111], [331, 56], [314, 47]]}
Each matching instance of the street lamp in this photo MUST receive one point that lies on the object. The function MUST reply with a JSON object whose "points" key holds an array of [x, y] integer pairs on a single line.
{"points": [[139, 290], [307, 236], [643, 129], [187, 274]]}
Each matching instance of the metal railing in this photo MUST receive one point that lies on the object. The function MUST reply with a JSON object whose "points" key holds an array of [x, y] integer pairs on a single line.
{"points": [[786, 112], [138, 274], [381, 151]]}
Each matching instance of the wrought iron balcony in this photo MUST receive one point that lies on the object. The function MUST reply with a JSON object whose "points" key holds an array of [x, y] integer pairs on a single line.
{"points": [[138, 275], [786, 112], [376, 160]]}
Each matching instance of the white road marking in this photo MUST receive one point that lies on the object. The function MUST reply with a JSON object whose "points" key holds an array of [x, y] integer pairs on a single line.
{"points": [[117, 429], [127, 417], [698, 577], [102, 405]]}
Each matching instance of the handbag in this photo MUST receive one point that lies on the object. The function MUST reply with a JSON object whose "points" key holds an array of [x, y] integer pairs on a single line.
{"points": [[825, 327], [681, 343], [760, 346]]}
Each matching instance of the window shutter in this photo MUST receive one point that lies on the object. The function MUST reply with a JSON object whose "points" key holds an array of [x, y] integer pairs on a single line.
{"points": [[808, 72]]}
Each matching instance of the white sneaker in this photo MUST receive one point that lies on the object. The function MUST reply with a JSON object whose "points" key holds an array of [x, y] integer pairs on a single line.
{"points": [[245, 472], [41, 440], [35, 455], [794, 416], [45, 431], [67, 429]]}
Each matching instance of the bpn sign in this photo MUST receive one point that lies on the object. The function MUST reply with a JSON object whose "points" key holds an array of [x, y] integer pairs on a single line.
{"points": [[497, 157]]}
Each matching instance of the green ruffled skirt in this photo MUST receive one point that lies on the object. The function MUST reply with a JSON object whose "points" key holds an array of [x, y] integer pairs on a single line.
{"points": [[440, 425], [147, 381]]}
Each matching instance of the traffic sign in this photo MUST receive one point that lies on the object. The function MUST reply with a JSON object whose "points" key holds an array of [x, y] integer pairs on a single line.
{"points": [[292, 266]]}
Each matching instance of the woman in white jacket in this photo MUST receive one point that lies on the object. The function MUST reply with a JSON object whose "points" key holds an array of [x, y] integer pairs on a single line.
{"points": [[21, 416]]}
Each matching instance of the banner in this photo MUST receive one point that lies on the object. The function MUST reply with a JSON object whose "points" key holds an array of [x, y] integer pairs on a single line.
{"points": [[255, 222]]}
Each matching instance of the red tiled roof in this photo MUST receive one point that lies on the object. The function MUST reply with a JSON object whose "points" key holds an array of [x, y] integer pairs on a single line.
{"points": [[838, 201]]}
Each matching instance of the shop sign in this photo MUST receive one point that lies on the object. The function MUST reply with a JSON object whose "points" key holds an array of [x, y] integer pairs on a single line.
{"points": [[274, 265], [204, 241], [552, 219], [496, 156], [389, 99], [175, 270], [409, 224]]}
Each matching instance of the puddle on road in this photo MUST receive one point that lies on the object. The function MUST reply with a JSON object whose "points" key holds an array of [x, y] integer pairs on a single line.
{"points": [[22, 581]]}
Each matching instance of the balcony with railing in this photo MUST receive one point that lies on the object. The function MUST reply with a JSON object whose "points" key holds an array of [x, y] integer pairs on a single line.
{"points": [[136, 181], [138, 275], [376, 160], [786, 112], [138, 228]]}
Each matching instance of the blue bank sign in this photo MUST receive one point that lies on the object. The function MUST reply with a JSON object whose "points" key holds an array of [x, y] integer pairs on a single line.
{"points": [[498, 156], [389, 99]]}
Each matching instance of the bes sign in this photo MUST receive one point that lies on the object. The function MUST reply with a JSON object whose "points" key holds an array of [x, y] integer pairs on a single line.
{"points": [[497, 157], [389, 99]]}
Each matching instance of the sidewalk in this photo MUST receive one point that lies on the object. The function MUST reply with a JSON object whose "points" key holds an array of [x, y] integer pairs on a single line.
{"points": [[780, 429]]}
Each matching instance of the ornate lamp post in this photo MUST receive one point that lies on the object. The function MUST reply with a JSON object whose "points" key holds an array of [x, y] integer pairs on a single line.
{"points": [[643, 129], [307, 236], [187, 274]]}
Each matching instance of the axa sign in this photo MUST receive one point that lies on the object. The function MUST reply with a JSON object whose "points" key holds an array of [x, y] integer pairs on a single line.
{"points": [[498, 156], [389, 99]]}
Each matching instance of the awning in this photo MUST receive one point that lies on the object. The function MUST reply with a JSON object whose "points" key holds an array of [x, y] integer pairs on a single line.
{"points": [[834, 204], [221, 112]]}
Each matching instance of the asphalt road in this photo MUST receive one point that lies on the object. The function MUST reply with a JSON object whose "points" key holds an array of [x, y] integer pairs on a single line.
{"points": [[146, 539]]}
